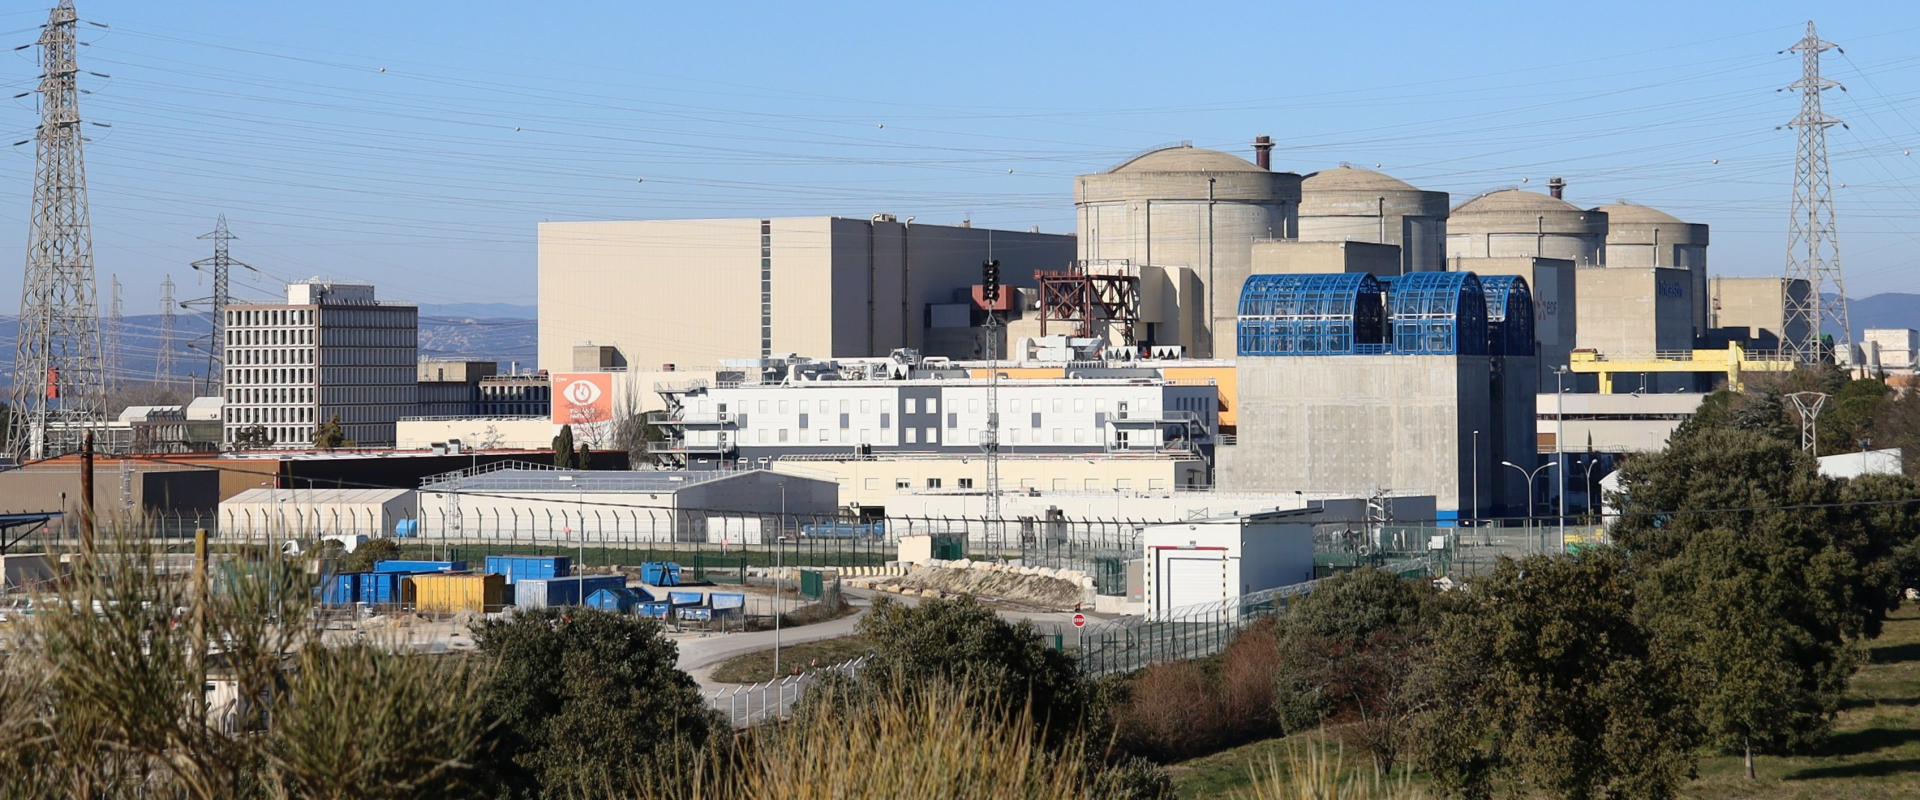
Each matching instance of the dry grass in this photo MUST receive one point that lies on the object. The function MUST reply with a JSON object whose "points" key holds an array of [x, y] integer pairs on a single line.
{"points": [[1317, 770], [757, 666]]}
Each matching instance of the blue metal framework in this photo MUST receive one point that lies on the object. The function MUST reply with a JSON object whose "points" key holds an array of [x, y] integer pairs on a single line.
{"points": [[1509, 315], [1309, 315], [1430, 310]]}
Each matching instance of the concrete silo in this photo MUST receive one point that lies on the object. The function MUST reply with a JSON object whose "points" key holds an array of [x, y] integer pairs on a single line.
{"points": [[1510, 222], [1642, 237], [1188, 209], [1347, 204]]}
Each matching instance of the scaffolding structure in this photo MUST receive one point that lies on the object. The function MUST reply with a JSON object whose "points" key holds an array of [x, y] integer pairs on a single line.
{"points": [[1092, 294]]}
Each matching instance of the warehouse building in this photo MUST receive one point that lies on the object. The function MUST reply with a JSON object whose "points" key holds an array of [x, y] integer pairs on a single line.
{"points": [[331, 349], [688, 293], [532, 503], [269, 514], [869, 481]]}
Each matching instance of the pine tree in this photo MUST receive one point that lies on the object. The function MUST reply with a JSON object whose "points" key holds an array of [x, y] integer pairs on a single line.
{"points": [[563, 448]]}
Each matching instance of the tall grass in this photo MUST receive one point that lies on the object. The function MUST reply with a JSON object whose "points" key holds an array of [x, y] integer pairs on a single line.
{"points": [[900, 745], [1317, 770], [102, 692]]}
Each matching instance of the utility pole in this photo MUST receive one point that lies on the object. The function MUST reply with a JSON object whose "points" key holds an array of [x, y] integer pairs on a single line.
{"points": [[221, 264], [56, 378], [990, 438], [1813, 239], [163, 364]]}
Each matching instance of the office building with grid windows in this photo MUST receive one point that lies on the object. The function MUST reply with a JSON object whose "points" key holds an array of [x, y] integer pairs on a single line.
{"points": [[331, 349]]}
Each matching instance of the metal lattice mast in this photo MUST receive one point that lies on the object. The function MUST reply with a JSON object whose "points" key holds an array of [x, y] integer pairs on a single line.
{"points": [[56, 376], [1813, 240], [163, 364], [112, 335], [221, 265]]}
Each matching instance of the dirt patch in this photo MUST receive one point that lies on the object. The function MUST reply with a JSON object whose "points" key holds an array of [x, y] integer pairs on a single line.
{"points": [[1013, 587]]}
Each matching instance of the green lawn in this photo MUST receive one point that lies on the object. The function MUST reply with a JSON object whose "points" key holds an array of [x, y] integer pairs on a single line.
{"points": [[757, 666], [1874, 751]]}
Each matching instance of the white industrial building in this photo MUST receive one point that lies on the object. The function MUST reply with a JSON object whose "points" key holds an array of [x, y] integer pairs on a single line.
{"points": [[271, 514], [877, 407], [1206, 561], [331, 349], [529, 503], [1896, 348]]}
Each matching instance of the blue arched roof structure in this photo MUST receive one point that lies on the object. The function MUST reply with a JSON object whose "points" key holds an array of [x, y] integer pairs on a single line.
{"points": [[1438, 313], [1509, 315], [1304, 315]]}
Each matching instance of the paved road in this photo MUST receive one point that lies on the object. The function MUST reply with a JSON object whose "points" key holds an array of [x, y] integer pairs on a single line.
{"points": [[700, 654]]}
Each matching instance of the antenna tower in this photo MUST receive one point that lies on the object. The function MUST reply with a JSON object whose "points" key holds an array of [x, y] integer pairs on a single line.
{"points": [[163, 365], [57, 387], [1813, 240], [220, 265], [112, 336]]}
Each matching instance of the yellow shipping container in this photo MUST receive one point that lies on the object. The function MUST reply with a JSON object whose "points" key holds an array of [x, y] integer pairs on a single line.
{"points": [[457, 592]]}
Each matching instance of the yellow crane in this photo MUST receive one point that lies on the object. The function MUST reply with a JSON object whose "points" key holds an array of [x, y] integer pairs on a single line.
{"points": [[1735, 361]]}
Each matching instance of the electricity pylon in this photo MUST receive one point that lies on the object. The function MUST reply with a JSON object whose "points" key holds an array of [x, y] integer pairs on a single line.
{"points": [[1813, 240], [57, 387], [216, 304]]}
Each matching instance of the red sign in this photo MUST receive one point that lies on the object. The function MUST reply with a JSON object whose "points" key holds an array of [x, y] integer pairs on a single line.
{"points": [[582, 398], [1079, 620]]}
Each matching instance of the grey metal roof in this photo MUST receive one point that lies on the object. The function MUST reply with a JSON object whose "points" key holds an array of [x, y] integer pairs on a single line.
{"points": [[525, 480]]}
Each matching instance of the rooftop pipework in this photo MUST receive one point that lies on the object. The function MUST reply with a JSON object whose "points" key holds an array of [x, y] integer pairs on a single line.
{"points": [[1349, 204], [1511, 222]]}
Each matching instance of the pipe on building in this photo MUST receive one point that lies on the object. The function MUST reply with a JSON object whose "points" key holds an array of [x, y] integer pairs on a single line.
{"points": [[1557, 186], [1263, 152]]}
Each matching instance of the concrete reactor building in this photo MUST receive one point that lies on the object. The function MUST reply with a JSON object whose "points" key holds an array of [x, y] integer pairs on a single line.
{"points": [[1347, 204], [1417, 385], [1639, 237], [1510, 222], [692, 292], [1189, 210]]}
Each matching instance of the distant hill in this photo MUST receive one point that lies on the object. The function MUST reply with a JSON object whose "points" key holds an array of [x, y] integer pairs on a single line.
{"points": [[1891, 310], [503, 337], [479, 310]]}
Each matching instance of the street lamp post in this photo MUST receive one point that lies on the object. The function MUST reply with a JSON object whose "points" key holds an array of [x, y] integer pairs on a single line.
{"points": [[1587, 486], [1476, 486], [1530, 478], [778, 577], [1559, 445]]}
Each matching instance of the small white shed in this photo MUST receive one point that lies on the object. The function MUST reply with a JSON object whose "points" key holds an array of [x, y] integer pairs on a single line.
{"points": [[267, 513], [1204, 561]]}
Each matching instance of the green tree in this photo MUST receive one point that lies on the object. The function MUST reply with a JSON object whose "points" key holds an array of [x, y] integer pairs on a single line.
{"points": [[563, 448], [1348, 654], [1898, 425], [584, 460], [372, 550], [1847, 420], [1763, 575], [330, 435], [252, 437], [962, 641], [588, 700], [1543, 679]]}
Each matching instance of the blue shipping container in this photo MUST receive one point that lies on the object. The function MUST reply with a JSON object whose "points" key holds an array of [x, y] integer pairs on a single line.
{"points": [[694, 614], [517, 568], [725, 601], [419, 566], [622, 600], [686, 599], [654, 610], [660, 573], [340, 590], [382, 588], [542, 593]]}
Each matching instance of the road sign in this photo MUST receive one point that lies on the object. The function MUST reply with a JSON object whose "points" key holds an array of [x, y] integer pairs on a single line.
{"points": [[1079, 620]]}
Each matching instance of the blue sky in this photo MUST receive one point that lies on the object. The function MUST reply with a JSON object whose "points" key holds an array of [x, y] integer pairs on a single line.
{"points": [[417, 144]]}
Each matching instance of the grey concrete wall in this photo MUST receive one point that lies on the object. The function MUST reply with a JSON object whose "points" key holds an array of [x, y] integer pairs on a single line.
{"points": [[1357, 425], [1555, 304], [1286, 257], [1634, 313], [1754, 310]]}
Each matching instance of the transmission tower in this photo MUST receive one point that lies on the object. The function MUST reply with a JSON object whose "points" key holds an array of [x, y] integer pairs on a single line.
{"points": [[163, 364], [57, 390], [1813, 240], [113, 336], [216, 304]]}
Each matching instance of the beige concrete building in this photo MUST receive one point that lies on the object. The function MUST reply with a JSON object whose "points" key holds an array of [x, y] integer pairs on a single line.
{"points": [[1897, 348], [480, 433], [1556, 304], [1288, 257], [1636, 312], [1192, 208], [1510, 222], [871, 481], [1755, 310], [1613, 423], [1639, 237], [1347, 204], [692, 292]]}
